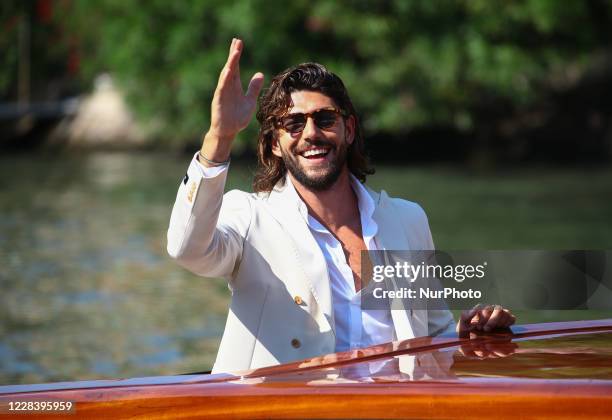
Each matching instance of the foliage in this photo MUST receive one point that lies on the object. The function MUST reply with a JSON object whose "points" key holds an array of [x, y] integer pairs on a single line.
{"points": [[27, 29], [406, 63]]}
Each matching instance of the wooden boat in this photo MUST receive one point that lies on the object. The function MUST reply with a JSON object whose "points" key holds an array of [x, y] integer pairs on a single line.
{"points": [[559, 370]]}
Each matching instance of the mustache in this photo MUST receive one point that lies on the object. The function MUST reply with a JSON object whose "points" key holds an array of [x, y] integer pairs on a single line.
{"points": [[314, 143]]}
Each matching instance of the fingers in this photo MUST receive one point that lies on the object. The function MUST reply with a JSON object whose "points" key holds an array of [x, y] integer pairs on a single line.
{"points": [[496, 317], [494, 320], [507, 318], [500, 318], [464, 326], [468, 315], [255, 87], [484, 318], [233, 58], [484, 314], [231, 70]]}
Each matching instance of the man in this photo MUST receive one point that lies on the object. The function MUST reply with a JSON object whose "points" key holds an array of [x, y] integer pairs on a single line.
{"points": [[292, 251]]}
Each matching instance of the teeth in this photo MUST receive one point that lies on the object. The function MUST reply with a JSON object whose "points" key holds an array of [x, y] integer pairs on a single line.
{"points": [[313, 152]]}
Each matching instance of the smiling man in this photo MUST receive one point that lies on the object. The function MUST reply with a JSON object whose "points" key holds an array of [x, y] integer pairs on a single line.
{"points": [[291, 251]]}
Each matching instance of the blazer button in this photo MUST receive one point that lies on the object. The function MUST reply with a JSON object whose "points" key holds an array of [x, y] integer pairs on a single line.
{"points": [[298, 300], [296, 343]]}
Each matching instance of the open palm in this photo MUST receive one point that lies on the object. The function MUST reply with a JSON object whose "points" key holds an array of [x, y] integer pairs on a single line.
{"points": [[231, 109]]}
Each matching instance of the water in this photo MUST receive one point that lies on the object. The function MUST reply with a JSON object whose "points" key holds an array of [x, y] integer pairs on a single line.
{"points": [[87, 290]]}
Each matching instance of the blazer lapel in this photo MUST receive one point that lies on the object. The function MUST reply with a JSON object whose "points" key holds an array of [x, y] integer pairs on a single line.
{"points": [[284, 208], [408, 323]]}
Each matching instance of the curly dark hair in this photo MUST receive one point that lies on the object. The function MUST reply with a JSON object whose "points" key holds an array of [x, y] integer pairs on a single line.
{"points": [[276, 101]]}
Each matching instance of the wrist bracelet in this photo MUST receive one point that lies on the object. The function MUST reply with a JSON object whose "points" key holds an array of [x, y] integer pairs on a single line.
{"points": [[212, 162]]}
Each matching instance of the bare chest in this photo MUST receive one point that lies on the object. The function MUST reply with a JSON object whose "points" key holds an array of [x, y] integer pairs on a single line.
{"points": [[352, 244]]}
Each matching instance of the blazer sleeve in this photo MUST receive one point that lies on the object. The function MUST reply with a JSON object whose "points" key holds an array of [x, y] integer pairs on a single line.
{"points": [[207, 229]]}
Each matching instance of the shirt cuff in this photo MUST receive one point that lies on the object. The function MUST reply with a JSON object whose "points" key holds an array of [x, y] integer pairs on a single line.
{"points": [[212, 171]]}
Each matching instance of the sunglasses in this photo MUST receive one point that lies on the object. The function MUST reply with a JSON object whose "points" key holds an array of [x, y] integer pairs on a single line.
{"points": [[295, 123]]}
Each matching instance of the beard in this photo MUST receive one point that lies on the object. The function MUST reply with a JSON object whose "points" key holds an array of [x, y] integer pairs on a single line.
{"points": [[321, 178]]}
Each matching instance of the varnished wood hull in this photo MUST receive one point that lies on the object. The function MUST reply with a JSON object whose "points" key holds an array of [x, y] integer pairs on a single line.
{"points": [[542, 370]]}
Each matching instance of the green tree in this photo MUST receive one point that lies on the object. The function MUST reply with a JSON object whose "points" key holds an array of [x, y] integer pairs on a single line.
{"points": [[407, 63], [33, 52]]}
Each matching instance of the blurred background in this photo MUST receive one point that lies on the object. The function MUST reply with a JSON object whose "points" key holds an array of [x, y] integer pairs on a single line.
{"points": [[495, 116]]}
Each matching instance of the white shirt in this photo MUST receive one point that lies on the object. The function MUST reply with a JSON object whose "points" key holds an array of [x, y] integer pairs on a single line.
{"points": [[354, 328]]}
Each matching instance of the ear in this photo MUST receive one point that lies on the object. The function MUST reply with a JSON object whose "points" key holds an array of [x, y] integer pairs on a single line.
{"points": [[349, 129], [276, 147]]}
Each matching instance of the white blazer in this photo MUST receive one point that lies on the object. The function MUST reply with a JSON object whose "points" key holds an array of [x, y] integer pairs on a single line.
{"points": [[281, 306]]}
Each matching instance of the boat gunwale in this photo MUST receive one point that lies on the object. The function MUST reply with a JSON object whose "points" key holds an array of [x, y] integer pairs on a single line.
{"points": [[538, 331]]}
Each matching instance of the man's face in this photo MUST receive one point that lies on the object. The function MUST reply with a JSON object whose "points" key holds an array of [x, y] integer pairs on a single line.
{"points": [[315, 157]]}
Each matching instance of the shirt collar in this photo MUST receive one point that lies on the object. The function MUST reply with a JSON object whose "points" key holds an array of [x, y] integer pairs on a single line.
{"points": [[364, 201], [366, 210], [292, 195]]}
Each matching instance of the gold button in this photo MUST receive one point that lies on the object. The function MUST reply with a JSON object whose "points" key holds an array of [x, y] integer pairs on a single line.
{"points": [[298, 300], [296, 343]]}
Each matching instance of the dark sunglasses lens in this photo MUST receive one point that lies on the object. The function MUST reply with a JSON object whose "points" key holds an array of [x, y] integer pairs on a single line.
{"points": [[325, 118], [294, 123]]}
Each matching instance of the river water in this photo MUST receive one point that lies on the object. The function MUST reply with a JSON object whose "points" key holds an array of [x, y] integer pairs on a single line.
{"points": [[87, 290]]}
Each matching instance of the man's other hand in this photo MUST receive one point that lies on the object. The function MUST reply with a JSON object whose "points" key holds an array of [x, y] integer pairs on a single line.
{"points": [[484, 318]]}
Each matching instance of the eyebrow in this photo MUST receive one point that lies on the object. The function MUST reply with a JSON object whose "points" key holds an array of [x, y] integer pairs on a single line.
{"points": [[327, 108]]}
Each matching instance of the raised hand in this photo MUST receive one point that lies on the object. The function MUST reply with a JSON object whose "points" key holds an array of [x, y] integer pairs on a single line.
{"points": [[231, 108]]}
